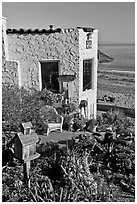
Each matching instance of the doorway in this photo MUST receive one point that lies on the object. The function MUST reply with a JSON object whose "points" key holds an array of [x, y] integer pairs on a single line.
{"points": [[50, 74]]}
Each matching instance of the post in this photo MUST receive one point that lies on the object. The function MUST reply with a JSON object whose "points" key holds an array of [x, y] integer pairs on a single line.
{"points": [[26, 170]]}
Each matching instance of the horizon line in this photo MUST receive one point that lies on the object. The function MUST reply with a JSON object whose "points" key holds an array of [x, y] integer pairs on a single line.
{"points": [[114, 43]]}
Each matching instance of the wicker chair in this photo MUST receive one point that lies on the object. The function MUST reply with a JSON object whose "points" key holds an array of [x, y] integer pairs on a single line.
{"points": [[53, 120]]}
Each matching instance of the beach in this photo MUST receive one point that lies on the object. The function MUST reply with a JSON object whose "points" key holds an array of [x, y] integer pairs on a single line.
{"points": [[117, 78], [117, 84]]}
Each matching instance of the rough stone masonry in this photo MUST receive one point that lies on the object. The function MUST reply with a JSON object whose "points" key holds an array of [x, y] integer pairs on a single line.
{"points": [[24, 50]]}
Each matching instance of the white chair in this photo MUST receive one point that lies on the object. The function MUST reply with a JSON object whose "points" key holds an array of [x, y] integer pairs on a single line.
{"points": [[55, 126], [55, 123]]}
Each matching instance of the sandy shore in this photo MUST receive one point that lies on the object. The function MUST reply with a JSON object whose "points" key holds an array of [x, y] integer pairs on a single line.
{"points": [[117, 71], [118, 84]]}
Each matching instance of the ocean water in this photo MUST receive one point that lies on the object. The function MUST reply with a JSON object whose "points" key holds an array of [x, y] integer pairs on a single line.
{"points": [[124, 57]]}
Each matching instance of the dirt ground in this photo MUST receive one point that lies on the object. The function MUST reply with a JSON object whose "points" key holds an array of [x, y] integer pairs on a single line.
{"points": [[120, 85]]}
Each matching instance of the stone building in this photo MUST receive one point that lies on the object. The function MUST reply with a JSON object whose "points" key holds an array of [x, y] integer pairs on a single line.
{"points": [[45, 58]]}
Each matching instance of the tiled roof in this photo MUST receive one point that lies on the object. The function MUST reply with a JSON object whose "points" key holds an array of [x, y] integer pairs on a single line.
{"points": [[42, 31], [32, 31]]}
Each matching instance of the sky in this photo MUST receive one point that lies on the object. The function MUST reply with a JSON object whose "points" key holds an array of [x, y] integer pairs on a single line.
{"points": [[115, 21]]}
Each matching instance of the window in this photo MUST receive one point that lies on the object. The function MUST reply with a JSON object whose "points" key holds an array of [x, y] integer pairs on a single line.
{"points": [[89, 41], [87, 74]]}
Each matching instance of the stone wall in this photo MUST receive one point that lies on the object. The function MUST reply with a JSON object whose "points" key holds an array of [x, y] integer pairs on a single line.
{"points": [[30, 49], [24, 51], [10, 73], [10, 69]]}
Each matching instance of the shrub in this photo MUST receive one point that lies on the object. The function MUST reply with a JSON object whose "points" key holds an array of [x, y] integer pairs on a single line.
{"points": [[91, 125], [116, 118], [11, 114], [20, 106], [72, 107], [49, 97], [113, 116], [82, 174]]}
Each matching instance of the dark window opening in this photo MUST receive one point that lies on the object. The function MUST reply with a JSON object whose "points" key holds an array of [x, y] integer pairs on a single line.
{"points": [[87, 74], [50, 74]]}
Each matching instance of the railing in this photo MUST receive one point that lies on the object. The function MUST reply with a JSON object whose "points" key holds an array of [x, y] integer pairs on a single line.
{"points": [[130, 112]]}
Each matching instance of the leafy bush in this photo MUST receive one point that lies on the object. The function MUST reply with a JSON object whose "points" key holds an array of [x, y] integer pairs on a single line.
{"points": [[72, 107], [49, 97], [11, 108], [86, 171], [19, 105], [77, 174], [115, 118]]}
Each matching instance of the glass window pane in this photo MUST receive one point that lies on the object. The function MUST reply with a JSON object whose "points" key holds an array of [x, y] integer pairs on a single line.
{"points": [[87, 74]]}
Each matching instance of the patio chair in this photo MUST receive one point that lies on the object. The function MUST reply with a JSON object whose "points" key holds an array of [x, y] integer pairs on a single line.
{"points": [[53, 120]]}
